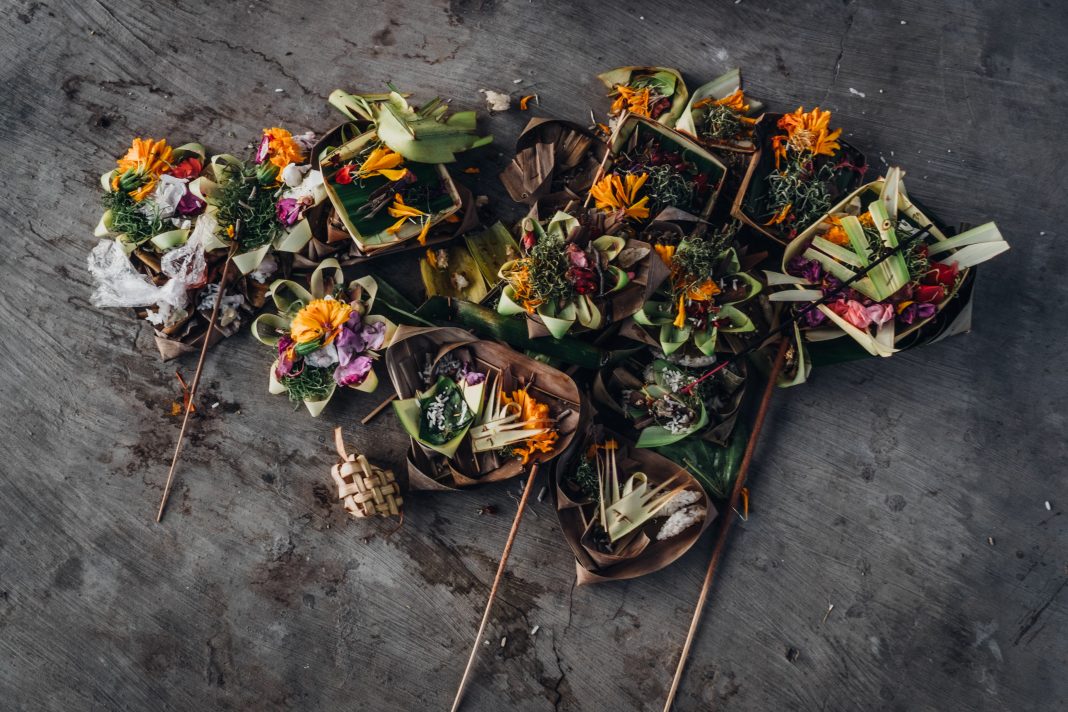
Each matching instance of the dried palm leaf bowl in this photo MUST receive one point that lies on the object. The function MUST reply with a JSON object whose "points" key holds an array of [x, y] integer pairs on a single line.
{"points": [[555, 163], [715, 408], [358, 239], [187, 335], [642, 550], [637, 132], [750, 202], [414, 358], [951, 314]]}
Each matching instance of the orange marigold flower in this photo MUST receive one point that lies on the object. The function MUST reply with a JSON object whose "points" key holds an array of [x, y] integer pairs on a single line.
{"points": [[807, 132], [519, 279], [536, 416], [524, 103], [321, 319], [611, 194], [149, 159], [282, 149], [636, 101]]}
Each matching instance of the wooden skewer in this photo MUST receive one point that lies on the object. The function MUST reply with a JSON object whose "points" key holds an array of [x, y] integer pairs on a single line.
{"points": [[728, 520], [496, 584], [192, 393], [378, 409]]}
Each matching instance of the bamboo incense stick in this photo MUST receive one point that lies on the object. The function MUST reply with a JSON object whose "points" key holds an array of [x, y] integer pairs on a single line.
{"points": [[378, 409], [496, 584], [192, 392], [728, 520]]}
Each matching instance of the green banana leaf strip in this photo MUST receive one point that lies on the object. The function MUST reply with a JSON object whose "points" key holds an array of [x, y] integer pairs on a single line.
{"points": [[714, 466]]}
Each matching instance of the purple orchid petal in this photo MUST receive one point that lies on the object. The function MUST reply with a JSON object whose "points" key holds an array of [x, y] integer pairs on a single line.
{"points": [[374, 334], [925, 311], [350, 344], [473, 378], [354, 372], [907, 315]]}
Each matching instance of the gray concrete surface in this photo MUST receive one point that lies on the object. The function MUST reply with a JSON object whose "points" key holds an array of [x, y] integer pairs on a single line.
{"points": [[879, 488]]}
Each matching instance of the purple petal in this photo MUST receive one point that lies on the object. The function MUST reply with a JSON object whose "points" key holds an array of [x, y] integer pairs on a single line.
{"points": [[288, 211], [925, 311], [473, 378], [908, 314], [354, 372], [349, 345], [286, 363], [374, 334]]}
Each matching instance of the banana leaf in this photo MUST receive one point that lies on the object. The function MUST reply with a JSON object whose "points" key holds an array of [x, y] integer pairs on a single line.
{"points": [[490, 249], [664, 80], [444, 282]]}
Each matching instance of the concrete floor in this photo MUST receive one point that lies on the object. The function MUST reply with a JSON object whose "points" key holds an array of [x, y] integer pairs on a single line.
{"points": [[909, 493]]}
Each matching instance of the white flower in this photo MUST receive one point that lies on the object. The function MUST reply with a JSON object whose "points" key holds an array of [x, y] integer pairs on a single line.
{"points": [[326, 356], [459, 281], [293, 175], [169, 192]]}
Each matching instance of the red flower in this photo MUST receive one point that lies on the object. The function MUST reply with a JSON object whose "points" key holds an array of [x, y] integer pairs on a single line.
{"points": [[344, 175], [942, 274], [528, 240], [930, 294], [187, 168]]}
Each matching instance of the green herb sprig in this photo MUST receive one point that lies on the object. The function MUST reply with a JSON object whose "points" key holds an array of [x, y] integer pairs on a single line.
{"points": [[128, 220], [312, 383], [246, 198]]}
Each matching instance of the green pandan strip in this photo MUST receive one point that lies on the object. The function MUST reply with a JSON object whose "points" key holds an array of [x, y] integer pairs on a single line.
{"points": [[658, 435], [558, 322]]}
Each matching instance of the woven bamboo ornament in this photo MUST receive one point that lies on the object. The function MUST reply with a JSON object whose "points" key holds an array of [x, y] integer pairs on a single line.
{"points": [[366, 490]]}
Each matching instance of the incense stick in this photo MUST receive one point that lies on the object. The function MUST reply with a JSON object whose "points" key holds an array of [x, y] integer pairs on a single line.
{"points": [[728, 520], [378, 409], [192, 392], [493, 589]]}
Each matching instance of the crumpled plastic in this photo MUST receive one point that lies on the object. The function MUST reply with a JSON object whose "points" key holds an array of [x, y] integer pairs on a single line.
{"points": [[118, 284]]}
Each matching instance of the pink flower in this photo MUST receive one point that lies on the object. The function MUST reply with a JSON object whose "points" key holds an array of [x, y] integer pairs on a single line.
{"points": [[853, 312]]}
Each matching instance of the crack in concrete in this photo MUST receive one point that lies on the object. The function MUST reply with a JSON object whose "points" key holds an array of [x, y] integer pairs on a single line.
{"points": [[841, 45], [264, 57]]}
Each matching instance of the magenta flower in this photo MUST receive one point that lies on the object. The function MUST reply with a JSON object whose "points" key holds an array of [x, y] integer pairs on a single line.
{"points": [[354, 372], [264, 147], [288, 211], [287, 359], [189, 205]]}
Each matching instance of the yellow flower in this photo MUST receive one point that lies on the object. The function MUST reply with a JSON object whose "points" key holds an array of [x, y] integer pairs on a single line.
{"points": [[703, 292], [610, 194], [149, 158], [321, 320], [383, 162], [281, 148], [735, 101], [680, 317], [536, 416], [666, 252], [781, 215], [806, 132], [519, 279], [406, 212], [636, 101]]}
